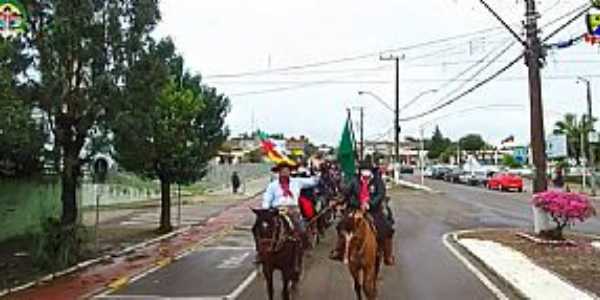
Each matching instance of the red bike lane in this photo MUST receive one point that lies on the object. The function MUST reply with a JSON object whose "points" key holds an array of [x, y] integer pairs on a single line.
{"points": [[118, 271]]}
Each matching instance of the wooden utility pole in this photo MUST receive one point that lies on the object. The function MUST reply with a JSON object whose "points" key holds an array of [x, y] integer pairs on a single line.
{"points": [[534, 61], [362, 133], [396, 59]]}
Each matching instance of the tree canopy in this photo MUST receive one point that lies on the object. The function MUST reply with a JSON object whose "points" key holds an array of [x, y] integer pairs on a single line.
{"points": [[82, 52], [438, 144], [472, 142], [171, 125]]}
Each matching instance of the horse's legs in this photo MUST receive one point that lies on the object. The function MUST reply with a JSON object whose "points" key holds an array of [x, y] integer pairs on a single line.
{"points": [[268, 272], [370, 283], [357, 288], [285, 294]]}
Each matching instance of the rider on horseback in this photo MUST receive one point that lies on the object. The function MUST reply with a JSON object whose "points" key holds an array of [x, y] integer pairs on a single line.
{"points": [[367, 192], [283, 194]]}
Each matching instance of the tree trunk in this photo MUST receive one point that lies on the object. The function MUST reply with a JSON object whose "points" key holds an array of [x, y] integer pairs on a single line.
{"points": [[165, 206], [69, 178]]}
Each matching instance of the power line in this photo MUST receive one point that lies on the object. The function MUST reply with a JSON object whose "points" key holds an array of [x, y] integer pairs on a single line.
{"points": [[477, 73], [467, 92], [354, 58], [504, 69]]}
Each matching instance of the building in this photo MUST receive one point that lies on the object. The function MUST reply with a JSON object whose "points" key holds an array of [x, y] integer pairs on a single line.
{"points": [[235, 149], [297, 146], [384, 150]]}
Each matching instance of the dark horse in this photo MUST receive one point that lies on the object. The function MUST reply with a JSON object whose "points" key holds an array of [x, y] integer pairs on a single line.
{"points": [[362, 254], [279, 248]]}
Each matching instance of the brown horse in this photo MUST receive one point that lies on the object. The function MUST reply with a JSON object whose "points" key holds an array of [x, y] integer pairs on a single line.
{"points": [[361, 254], [279, 248]]}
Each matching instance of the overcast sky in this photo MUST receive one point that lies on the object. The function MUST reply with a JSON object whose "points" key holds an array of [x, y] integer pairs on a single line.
{"points": [[229, 37]]}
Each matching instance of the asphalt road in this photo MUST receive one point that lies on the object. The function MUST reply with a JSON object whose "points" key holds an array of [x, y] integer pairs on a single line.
{"points": [[425, 268]]}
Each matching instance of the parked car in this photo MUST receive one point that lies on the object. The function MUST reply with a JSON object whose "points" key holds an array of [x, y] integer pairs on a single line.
{"points": [[407, 169], [440, 172], [505, 182], [453, 175], [428, 172]]}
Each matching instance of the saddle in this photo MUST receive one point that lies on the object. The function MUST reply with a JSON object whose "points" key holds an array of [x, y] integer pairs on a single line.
{"points": [[289, 232]]}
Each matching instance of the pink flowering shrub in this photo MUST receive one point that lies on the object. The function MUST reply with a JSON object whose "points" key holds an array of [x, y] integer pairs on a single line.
{"points": [[564, 208]]}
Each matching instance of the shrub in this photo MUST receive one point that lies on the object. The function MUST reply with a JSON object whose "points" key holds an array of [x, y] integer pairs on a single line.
{"points": [[58, 246], [564, 208]]}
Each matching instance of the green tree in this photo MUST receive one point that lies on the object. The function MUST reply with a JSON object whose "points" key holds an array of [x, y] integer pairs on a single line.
{"points": [[472, 142], [510, 161], [21, 138], [171, 126], [438, 144], [449, 153], [83, 50]]}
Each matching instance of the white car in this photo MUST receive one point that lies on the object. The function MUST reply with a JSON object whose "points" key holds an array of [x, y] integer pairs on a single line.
{"points": [[428, 172]]}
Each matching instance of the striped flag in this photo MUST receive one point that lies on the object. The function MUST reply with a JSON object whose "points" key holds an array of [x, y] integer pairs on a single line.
{"points": [[272, 150]]}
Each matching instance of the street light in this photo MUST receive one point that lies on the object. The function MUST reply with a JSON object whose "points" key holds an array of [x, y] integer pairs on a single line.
{"points": [[590, 119], [419, 96], [374, 96]]}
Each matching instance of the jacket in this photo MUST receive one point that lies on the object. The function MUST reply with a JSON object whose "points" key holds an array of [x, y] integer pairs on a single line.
{"points": [[376, 189]]}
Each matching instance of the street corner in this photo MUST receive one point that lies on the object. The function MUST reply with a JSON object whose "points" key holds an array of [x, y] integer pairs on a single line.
{"points": [[513, 263]]}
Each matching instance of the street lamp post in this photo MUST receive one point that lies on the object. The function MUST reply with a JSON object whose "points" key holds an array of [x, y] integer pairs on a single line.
{"points": [[590, 119], [396, 121]]}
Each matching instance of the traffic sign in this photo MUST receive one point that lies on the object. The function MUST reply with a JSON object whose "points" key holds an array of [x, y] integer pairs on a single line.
{"points": [[556, 146]]}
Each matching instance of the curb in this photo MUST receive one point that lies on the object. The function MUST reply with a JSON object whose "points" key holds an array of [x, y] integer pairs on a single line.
{"points": [[465, 261], [124, 281], [415, 186], [453, 236], [94, 261]]}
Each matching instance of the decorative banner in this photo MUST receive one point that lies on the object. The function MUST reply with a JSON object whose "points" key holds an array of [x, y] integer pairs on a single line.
{"points": [[13, 18]]}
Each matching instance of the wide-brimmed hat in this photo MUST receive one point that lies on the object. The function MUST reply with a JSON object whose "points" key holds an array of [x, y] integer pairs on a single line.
{"points": [[282, 165]]}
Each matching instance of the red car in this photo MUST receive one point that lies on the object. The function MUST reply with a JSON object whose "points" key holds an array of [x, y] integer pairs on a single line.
{"points": [[505, 182]]}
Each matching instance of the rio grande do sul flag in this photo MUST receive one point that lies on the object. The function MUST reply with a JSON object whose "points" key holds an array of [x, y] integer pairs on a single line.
{"points": [[272, 151]]}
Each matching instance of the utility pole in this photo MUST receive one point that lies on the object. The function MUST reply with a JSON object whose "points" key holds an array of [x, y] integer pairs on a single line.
{"points": [[361, 126], [396, 59], [534, 60], [590, 125], [362, 133], [534, 55]]}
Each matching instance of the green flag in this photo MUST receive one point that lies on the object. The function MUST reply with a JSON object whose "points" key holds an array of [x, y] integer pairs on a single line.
{"points": [[345, 153]]}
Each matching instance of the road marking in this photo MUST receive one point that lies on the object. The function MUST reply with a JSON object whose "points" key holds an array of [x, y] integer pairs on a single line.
{"points": [[233, 262], [152, 297], [240, 289], [486, 281]]}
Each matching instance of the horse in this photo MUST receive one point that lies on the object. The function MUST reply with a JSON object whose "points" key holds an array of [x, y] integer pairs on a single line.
{"points": [[362, 255], [279, 248]]}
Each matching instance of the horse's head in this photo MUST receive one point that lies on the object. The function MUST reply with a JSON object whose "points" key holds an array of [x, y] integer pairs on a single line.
{"points": [[352, 229], [265, 230]]}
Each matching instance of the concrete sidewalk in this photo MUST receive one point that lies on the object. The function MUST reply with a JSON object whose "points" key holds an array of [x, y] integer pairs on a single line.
{"points": [[194, 209]]}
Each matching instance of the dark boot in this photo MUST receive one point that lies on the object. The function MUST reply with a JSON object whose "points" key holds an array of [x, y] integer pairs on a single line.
{"points": [[388, 251], [338, 252]]}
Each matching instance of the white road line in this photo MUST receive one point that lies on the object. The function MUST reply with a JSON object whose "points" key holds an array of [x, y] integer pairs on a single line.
{"points": [[151, 297], [484, 280], [240, 289]]}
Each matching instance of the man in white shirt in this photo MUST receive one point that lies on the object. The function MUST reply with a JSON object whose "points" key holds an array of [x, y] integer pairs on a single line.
{"points": [[285, 190], [283, 193]]}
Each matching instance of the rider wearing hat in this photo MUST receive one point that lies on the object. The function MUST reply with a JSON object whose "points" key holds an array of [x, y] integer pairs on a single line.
{"points": [[284, 192], [367, 192]]}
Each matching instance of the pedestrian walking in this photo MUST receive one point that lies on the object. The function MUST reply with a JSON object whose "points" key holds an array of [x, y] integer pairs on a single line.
{"points": [[559, 179], [235, 182]]}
